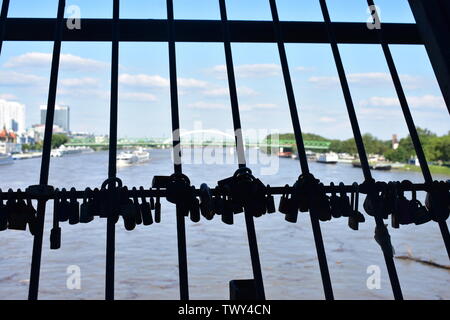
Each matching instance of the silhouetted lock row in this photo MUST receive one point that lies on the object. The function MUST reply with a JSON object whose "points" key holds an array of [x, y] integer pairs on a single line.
{"points": [[17, 214], [111, 201], [391, 200], [237, 194], [308, 194]]}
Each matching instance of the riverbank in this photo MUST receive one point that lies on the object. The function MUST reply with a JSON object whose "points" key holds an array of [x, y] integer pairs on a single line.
{"points": [[434, 169]]}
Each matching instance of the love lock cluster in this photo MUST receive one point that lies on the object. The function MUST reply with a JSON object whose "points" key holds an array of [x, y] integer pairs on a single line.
{"points": [[309, 195], [17, 214], [240, 193], [388, 199]]}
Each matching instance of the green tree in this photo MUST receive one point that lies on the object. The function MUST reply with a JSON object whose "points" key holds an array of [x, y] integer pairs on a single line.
{"points": [[58, 140]]}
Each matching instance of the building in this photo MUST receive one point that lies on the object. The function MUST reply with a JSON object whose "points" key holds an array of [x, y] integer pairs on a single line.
{"points": [[62, 117], [395, 142], [36, 132], [8, 142], [12, 116]]}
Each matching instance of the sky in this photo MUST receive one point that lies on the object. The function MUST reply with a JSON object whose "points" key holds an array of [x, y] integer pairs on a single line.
{"points": [[144, 100]]}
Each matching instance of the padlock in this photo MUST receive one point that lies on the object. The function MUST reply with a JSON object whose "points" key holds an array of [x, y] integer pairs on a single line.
{"points": [[402, 207], [256, 204], [335, 203], [64, 207], [420, 213], [32, 217], [320, 203], [376, 204], [387, 200], [285, 202], [86, 215], [356, 217], [206, 202], [300, 193], [3, 214], [344, 202], [179, 191], [195, 208], [17, 213], [127, 210], [55, 238], [152, 203], [138, 207], [219, 205], [437, 201], [270, 201], [74, 213], [228, 213], [292, 215], [97, 203], [157, 210], [55, 233], [395, 218], [110, 195], [146, 210]]}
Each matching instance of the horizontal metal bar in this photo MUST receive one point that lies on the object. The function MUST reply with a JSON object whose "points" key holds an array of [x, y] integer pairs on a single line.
{"points": [[140, 30], [161, 193]]}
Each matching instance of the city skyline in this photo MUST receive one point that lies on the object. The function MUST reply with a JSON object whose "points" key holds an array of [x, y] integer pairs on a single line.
{"points": [[144, 99]]}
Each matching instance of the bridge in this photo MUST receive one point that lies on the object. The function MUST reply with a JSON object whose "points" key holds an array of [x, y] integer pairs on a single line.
{"points": [[159, 143]]}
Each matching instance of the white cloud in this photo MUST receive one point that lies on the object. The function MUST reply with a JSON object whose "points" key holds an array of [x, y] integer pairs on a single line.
{"points": [[368, 79], [304, 69], [248, 70], [225, 92], [7, 96], [68, 61], [143, 80], [191, 83], [207, 105], [80, 82], [427, 101], [157, 81], [249, 107], [12, 78], [138, 96], [327, 119], [84, 93], [242, 107]]}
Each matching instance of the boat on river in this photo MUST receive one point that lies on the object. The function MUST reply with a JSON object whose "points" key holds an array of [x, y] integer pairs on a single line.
{"points": [[129, 158], [6, 159], [381, 166], [328, 158]]}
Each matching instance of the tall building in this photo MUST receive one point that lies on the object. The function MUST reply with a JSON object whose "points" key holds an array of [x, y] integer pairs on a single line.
{"points": [[62, 116], [12, 116]]}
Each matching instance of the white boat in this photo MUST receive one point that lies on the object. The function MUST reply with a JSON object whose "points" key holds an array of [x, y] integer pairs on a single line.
{"points": [[6, 159], [130, 158], [328, 158], [63, 151]]}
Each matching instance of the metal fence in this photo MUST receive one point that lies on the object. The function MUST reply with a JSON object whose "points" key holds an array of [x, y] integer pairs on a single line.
{"points": [[242, 193]]}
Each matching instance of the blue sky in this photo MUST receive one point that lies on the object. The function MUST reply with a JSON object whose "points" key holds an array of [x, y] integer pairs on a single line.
{"points": [[144, 106]]}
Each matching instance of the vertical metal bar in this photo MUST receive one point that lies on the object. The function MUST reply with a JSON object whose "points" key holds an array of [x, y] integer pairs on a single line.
{"points": [[112, 167], [410, 123], [33, 290], [320, 248], [433, 22], [181, 229], [250, 224], [395, 283], [3, 17]]}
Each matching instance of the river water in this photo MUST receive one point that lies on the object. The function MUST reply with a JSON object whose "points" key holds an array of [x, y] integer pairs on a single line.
{"points": [[146, 258]]}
